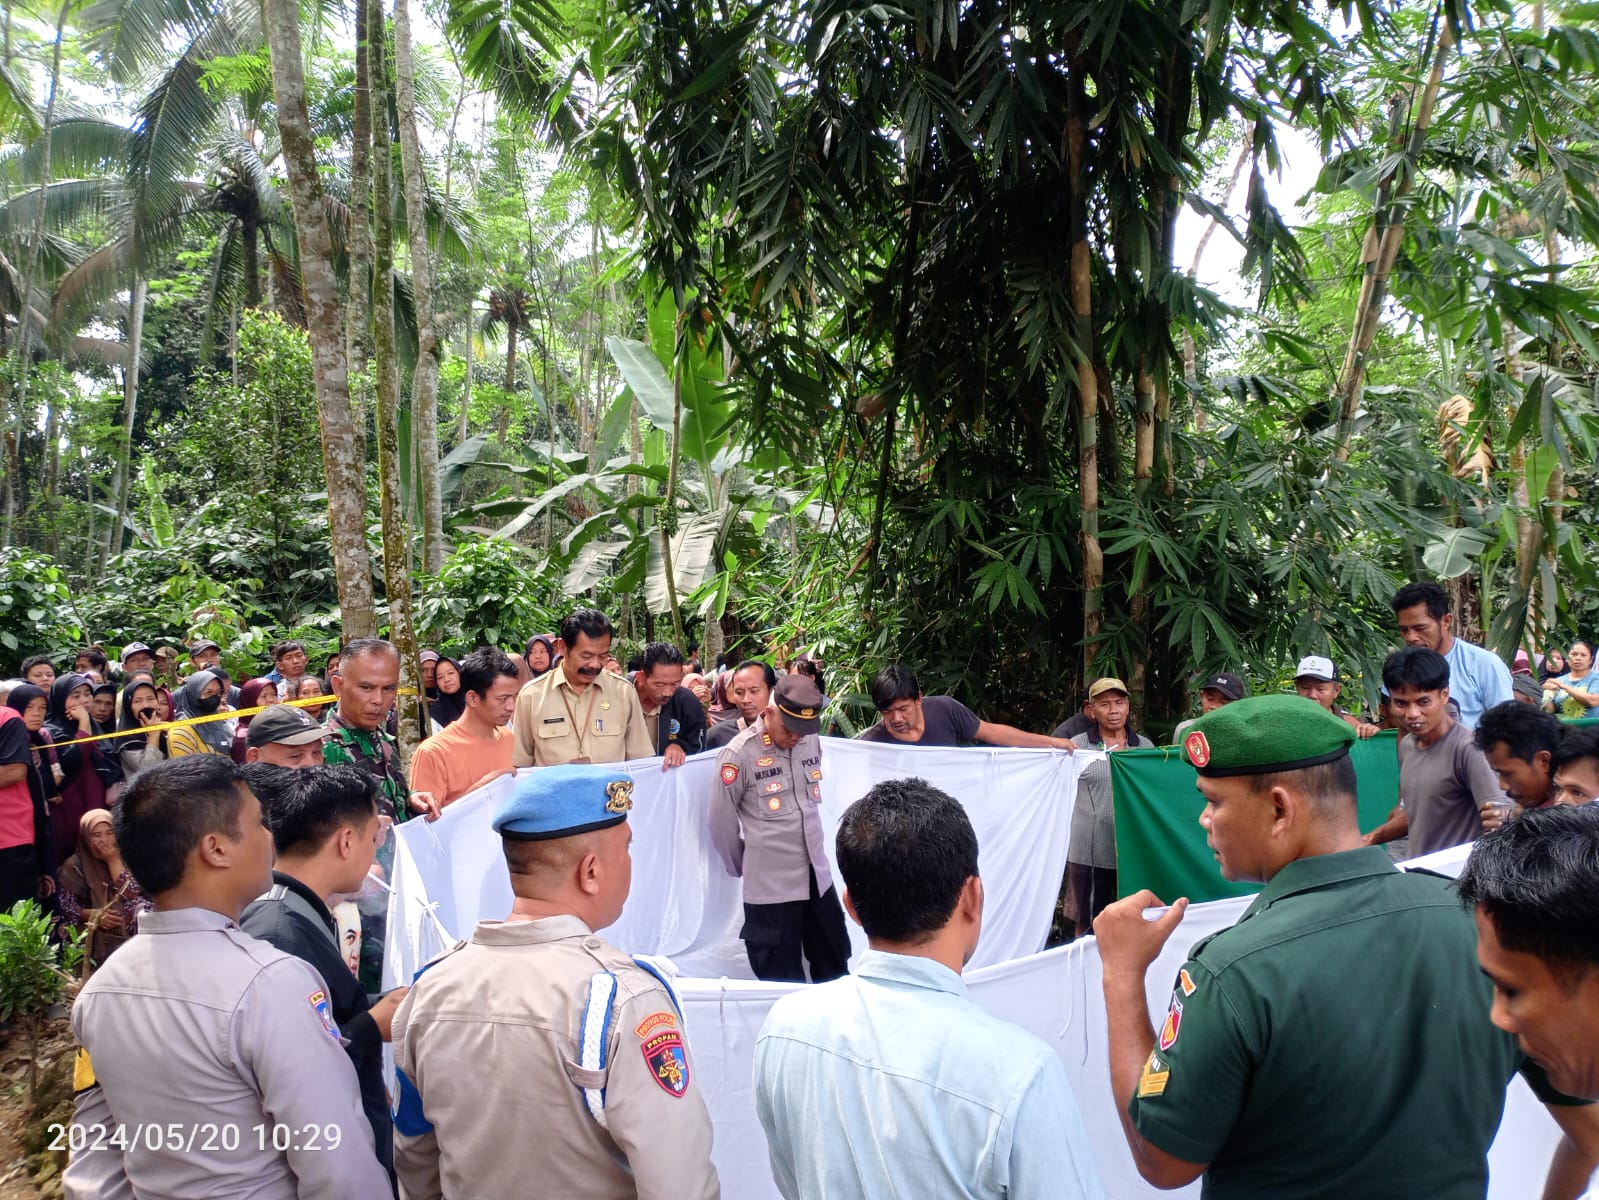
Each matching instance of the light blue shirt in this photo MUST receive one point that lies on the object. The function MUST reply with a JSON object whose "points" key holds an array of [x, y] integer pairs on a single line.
{"points": [[1478, 680], [891, 1082]]}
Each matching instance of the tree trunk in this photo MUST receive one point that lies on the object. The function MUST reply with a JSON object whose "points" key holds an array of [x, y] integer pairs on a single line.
{"points": [[1087, 377], [425, 376], [466, 382], [386, 372], [342, 456], [130, 407], [358, 314], [250, 243], [502, 426], [1381, 250], [669, 517], [1143, 428]]}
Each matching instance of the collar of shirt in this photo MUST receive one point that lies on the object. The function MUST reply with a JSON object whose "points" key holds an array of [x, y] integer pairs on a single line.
{"points": [[1322, 870], [529, 933], [306, 894], [374, 740], [183, 920], [911, 969]]}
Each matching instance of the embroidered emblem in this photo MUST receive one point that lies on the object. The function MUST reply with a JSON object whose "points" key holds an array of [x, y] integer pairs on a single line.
{"points": [[675, 729], [605, 706], [619, 793], [1198, 747], [774, 803], [667, 1060], [766, 739], [1173, 1023], [816, 776], [816, 792], [324, 1011], [1185, 981], [664, 1020], [766, 760], [729, 773], [775, 785], [1153, 1081]]}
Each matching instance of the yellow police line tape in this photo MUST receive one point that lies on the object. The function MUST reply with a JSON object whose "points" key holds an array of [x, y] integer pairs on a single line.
{"points": [[306, 702]]}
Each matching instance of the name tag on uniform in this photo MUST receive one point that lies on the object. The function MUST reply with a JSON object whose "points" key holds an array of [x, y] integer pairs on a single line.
{"points": [[555, 720]]}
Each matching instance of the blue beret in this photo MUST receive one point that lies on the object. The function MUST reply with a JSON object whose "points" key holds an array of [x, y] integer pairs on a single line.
{"points": [[564, 801]]}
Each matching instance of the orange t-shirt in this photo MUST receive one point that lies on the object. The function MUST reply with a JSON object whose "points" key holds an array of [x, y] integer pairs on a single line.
{"points": [[452, 760]]}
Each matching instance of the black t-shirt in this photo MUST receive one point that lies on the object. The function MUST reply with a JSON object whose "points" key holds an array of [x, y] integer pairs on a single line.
{"points": [[1081, 723], [946, 722]]}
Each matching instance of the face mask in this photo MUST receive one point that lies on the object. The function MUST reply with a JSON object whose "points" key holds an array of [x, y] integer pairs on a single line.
{"points": [[208, 704]]}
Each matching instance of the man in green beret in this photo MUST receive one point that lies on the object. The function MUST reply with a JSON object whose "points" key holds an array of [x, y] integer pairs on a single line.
{"points": [[1336, 1041]]}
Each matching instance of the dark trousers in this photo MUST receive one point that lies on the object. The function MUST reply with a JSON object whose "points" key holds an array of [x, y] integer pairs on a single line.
{"points": [[776, 934], [19, 876]]}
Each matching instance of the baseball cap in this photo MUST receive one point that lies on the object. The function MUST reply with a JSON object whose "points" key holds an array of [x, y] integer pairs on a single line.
{"points": [[429, 656], [284, 725], [1266, 734], [203, 644], [1227, 684], [1108, 684], [799, 701], [133, 648], [1314, 666]]}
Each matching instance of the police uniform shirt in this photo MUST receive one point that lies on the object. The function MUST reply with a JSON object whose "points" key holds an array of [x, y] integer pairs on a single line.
{"points": [[489, 1037], [1334, 1043], [557, 724], [764, 818], [217, 1057]]}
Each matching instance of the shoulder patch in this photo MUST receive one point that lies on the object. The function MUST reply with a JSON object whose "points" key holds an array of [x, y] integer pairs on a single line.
{"points": [[667, 1060], [664, 1020], [1172, 1025], [729, 773], [324, 1010], [1156, 1073], [1186, 982]]}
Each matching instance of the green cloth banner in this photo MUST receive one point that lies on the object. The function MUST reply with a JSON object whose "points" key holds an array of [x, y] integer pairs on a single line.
{"points": [[1159, 842]]}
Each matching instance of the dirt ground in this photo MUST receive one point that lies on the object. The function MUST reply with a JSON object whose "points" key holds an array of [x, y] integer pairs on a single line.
{"points": [[28, 1169]]}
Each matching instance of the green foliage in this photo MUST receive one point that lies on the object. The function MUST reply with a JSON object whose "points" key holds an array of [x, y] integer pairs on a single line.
{"points": [[36, 611], [487, 594], [34, 971]]}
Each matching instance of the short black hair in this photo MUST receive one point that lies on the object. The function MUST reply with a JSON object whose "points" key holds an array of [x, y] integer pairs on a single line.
{"points": [[365, 648], [1423, 591], [96, 658], [765, 669], [305, 807], [1537, 879], [1418, 667], [1523, 729], [894, 683], [661, 654], [288, 647], [905, 850], [482, 667], [1579, 743], [590, 622], [36, 660], [170, 807], [1330, 787]]}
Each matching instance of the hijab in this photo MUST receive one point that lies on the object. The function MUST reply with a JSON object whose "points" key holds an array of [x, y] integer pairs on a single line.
{"points": [[448, 707], [250, 696], [96, 875], [62, 727], [22, 696], [128, 718], [549, 648], [217, 735]]}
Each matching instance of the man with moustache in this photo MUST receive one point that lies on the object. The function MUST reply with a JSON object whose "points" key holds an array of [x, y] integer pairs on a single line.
{"points": [[580, 713]]}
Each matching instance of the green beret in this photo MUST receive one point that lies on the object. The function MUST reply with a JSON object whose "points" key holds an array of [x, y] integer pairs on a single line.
{"points": [[1264, 734]]}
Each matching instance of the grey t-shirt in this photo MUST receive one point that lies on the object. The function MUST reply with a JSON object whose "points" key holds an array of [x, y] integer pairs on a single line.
{"points": [[945, 722], [1093, 837], [1441, 787]]}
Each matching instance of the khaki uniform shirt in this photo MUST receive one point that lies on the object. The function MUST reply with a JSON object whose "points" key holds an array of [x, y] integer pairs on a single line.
{"points": [[763, 816], [489, 1037], [217, 1071], [555, 724]]}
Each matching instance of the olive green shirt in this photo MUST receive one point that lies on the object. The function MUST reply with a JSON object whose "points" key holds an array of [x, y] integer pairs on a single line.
{"points": [[1335, 1043]]}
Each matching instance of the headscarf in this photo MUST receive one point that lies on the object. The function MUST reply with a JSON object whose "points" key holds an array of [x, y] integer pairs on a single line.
{"points": [[95, 873], [448, 708], [128, 719], [217, 735], [549, 648], [22, 696], [1546, 669], [62, 727], [250, 697]]}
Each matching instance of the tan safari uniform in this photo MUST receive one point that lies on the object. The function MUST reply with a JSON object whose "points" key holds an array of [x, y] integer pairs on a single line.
{"points": [[211, 1067], [772, 795], [602, 724], [489, 1042]]}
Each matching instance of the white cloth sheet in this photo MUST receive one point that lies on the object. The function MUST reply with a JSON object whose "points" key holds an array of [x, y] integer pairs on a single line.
{"points": [[449, 874]]}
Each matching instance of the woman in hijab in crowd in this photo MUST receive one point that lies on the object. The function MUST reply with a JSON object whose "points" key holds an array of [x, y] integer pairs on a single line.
{"points": [[142, 748], [540, 654], [451, 701], [95, 883], [29, 864], [1554, 663], [86, 770], [255, 693], [201, 696]]}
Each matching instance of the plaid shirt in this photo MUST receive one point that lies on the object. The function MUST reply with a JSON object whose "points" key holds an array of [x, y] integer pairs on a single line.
{"points": [[375, 751]]}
